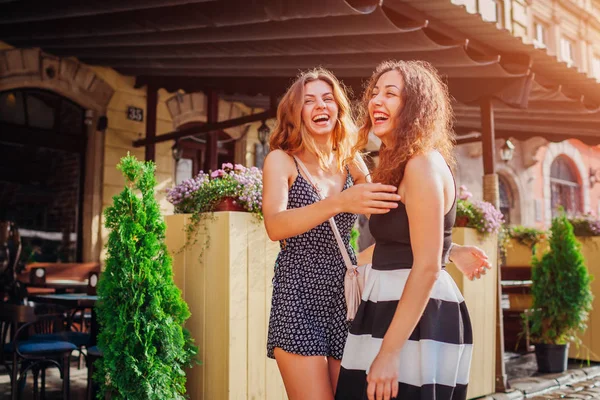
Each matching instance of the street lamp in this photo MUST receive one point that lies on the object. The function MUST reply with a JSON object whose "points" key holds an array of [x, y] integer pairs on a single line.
{"points": [[507, 150], [176, 151], [263, 133]]}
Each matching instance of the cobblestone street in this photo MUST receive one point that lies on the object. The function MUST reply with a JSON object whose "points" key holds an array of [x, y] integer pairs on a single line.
{"points": [[573, 384]]}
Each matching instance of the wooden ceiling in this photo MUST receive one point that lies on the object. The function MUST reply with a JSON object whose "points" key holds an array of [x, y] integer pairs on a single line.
{"points": [[255, 48]]}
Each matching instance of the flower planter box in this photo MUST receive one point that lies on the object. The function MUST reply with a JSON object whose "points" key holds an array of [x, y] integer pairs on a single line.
{"points": [[519, 255], [481, 299], [590, 348], [228, 289]]}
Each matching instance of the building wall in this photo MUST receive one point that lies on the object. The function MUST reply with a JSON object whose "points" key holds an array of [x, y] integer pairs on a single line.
{"points": [[528, 174], [577, 20], [121, 132], [114, 143]]}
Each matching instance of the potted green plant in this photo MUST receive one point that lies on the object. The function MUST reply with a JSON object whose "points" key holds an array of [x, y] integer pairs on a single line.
{"points": [[140, 312], [477, 214], [562, 297], [231, 188]]}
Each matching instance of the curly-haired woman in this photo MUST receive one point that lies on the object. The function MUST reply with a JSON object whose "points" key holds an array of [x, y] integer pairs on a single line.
{"points": [[411, 338]]}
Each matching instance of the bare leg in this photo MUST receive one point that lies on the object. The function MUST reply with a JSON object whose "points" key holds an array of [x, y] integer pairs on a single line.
{"points": [[334, 371], [304, 377]]}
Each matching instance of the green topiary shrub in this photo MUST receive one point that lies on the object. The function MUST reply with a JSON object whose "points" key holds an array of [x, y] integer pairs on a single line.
{"points": [[562, 296], [140, 311]]}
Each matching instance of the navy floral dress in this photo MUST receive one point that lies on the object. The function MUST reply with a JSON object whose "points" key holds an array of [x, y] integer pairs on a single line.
{"points": [[308, 308]]}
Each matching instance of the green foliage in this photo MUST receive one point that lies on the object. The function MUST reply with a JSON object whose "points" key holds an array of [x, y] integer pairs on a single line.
{"points": [[562, 296], [141, 311], [529, 237], [354, 234]]}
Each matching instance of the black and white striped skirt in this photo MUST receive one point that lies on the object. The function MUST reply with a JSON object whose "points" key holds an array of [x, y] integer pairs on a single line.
{"points": [[434, 362]]}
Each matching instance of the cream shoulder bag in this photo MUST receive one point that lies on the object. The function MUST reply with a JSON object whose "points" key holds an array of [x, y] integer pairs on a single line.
{"points": [[356, 276]]}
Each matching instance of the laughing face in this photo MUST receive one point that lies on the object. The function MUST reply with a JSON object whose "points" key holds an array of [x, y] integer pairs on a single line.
{"points": [[386, 103], [320, 110]]}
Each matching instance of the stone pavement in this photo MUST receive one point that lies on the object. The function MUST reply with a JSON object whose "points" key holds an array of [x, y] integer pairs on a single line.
{"points": [[580, 384]]}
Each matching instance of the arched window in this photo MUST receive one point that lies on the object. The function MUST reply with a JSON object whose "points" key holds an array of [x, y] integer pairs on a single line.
{"points": [[565, 186], [42, 157], [42, 109], [506, 198]]}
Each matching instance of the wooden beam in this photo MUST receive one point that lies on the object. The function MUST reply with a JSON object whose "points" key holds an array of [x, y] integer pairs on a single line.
{"points": [[491, 194], [20, 12], [206, 128], [488, 136], [151, 105], [212, 116]]}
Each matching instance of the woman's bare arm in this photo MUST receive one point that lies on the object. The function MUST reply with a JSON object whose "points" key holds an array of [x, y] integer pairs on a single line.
{"points": [[282, 223]]}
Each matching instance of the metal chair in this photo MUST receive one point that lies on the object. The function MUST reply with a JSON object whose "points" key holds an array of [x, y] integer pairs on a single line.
{"points": [[93, 354], [19, 322]]}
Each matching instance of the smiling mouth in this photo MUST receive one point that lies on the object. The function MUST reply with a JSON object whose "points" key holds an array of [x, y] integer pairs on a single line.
{"points": [[379, 117], [321, 119]]}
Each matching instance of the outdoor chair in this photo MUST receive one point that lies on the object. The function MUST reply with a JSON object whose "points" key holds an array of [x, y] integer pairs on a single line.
{"points": [[21, 353], [93, 353]]}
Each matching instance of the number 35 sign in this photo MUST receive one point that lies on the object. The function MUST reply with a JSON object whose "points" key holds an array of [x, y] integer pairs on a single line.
{"points": [[135, 114]]}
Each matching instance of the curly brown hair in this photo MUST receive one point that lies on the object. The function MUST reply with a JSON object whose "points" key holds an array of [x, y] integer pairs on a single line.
{"points": [[290, 133], [424, 122]]}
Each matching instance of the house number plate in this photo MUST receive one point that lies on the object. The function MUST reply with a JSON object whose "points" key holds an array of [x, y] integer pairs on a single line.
{"points": [[135, 114]]}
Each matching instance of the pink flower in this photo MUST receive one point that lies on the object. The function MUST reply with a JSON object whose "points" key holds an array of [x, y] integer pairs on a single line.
{"points": [[465, 195], [218, 173], [238, 167], [227, 166]]}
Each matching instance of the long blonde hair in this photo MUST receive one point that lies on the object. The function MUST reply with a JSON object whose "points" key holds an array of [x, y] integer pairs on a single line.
{"points": [[424, 122], [291, 135]]}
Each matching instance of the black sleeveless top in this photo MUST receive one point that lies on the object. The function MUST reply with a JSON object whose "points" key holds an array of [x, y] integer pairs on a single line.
{"points": [[392, 238]]}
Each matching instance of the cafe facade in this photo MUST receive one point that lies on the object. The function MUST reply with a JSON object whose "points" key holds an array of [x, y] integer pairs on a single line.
{"points": [[190, 85]]}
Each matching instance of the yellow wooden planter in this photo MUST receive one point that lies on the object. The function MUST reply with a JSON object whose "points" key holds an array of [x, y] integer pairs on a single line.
{"points": [[228, 290], [480, 296], [519, 255], [590, 348]]}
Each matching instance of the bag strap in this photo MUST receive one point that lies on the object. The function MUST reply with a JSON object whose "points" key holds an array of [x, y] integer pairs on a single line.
{"points": [[334, 227]]}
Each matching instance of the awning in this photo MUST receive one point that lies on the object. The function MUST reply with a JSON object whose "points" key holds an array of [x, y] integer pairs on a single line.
{"points": [[245, 49]]}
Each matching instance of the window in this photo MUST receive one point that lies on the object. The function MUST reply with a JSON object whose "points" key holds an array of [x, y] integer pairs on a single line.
{"points": [[42, 109], [12, 108], [596, 67], [184, 170], [540, 39], [566, 51], [489, 10], [565, 187]]}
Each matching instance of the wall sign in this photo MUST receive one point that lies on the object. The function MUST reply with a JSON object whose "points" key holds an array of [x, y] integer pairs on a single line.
{"points": [[135, 114]]}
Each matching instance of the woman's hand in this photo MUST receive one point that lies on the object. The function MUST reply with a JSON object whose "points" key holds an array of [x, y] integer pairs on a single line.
{"points": [[470, 260], [383, 376], [368, 198]]}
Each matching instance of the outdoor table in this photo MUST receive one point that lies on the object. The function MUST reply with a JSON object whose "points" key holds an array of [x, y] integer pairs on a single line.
{"points": [[60, 286], [72, 301]]}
